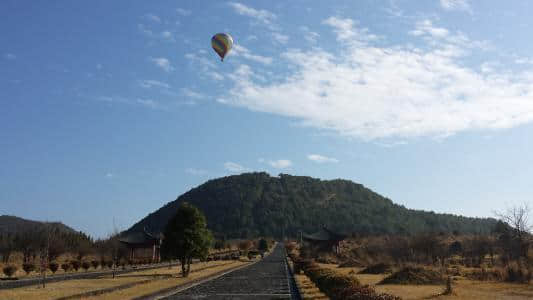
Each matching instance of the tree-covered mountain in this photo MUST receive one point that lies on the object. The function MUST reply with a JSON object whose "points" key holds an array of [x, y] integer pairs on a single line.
{"points": [[13, 225], [257, 204]]}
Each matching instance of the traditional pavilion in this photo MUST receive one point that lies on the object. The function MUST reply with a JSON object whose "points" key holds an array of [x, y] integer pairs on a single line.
{"points": [[325, 240], [142, 245]]}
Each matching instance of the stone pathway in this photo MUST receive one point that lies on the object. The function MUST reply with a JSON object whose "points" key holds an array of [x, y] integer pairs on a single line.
{"points": [[266, 279]]}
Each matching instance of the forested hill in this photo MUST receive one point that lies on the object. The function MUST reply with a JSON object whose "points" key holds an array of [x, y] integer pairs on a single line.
{"points": [[254, 204], [12, 224]]}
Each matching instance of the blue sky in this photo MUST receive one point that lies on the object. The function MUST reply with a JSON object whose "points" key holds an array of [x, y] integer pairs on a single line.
{"points": [[110, 109]]}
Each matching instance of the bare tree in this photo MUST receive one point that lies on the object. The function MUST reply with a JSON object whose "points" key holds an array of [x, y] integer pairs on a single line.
{"points": [[518, 218]]}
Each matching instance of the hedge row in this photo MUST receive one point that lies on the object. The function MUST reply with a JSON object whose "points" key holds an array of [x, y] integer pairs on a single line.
{"points": [[339, 286]]}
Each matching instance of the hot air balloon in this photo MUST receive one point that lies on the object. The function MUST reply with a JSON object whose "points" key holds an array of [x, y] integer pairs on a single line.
{"points": [[222, 43]]}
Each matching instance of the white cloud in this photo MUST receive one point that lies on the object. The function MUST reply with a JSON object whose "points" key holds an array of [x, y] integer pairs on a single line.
{"points": [[207, 67], [461, 5], [196, 172], [183, 12], [153, 18], [167, 35], [261, 15], [309, 35], [164, 35], [395, 91], [147, 84], [280, 163], [239, 50], [163, 63], [109, 175], [148, 103], [321, 159], [280, 38], [131, 101], [235, 167], [10, 56], [192, 94], [427, 27]]}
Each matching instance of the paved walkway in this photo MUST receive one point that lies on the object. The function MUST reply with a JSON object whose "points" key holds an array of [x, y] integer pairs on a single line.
{"points": [[266, 279]]}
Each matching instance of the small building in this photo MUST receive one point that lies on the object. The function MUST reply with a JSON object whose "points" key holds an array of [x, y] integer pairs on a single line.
{"points": [[142, 245], [324, 240]]}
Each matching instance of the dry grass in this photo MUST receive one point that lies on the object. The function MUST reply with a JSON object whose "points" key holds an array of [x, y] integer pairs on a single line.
{"points": [[155, 286], [73, 287], [463, 288]]}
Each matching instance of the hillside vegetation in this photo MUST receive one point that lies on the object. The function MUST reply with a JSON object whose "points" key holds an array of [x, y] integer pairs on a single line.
{"points": [[257, 204], [13, 225]]}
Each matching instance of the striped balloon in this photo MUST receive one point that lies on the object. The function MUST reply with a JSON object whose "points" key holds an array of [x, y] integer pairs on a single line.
{"points": [[222, 43]]}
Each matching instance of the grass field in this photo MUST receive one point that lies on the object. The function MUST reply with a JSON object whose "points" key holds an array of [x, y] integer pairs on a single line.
{"points": [[463, 288], [160, 279]]}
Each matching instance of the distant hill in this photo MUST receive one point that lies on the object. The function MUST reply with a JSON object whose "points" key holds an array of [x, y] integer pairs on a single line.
{"points": [[12, 224], [257, 204]]}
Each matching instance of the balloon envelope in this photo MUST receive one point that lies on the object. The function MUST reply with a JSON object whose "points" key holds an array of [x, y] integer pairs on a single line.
{"points": [[222, 43]]}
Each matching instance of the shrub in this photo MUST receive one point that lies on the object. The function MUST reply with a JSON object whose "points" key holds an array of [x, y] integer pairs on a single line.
{"points": [[28, 268], [85, 265], [53, 266], [485, 275], [414, 275], [9, 270], [95, 264], [65, 266], [379, 268], [75, 265], [263, 245], [109, 264], [338, 286], [515, 273], [350, 263]]}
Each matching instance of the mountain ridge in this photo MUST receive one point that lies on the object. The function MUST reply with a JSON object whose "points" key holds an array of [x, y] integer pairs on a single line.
{"points": [[255, 204], [13, 224]]}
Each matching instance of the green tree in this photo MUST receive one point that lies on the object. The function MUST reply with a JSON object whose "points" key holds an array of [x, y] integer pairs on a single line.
{"points": [[186, 237], [263, 245]]}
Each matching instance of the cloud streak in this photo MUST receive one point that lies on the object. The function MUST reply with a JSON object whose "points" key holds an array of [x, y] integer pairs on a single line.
{"points": [[162, 63], [280, 163], [264, 16], [235, 167], [460, 5], [321, 159]]}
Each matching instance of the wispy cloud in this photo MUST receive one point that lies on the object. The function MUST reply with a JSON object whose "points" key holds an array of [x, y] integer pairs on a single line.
{"points": [[239, 50], [183, 12], [148, 83], [164, 35], [152, 17], [373, 91], [162, 63], [10, 56], [206, 66], [149, 103], [461, 5], [309, 35], [235, 167], [321, 159], [196, 172], [280, 163], [192, 94], [280, 38], [261, 15], [109, 175]]}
